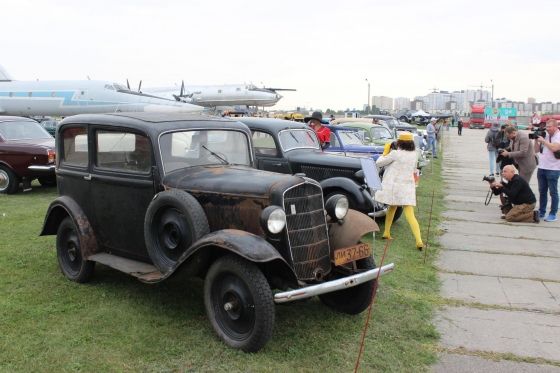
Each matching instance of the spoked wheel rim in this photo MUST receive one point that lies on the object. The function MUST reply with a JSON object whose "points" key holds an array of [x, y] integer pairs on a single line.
{"points": [[234, 306], [4, 180], [71, 251], [172, 232]]}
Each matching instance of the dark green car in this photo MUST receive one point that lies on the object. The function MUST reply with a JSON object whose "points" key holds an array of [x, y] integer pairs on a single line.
{"points": [[50, 126]]}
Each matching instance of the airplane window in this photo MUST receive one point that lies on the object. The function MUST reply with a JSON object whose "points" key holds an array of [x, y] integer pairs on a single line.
{"points": [[219, 91], [119, 87], [53, 94], [238, 89], [30, 94], [11, 94]]}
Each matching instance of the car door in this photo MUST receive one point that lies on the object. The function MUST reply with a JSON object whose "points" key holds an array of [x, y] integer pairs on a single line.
{"points": [[268, 154], [121, 188]]}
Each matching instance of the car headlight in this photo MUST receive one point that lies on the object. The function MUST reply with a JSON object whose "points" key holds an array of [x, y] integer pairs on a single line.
{"points": [[337, 207], [273, 219]]}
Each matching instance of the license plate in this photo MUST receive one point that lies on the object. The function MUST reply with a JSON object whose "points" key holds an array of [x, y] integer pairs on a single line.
{"points": [[350, 254]]}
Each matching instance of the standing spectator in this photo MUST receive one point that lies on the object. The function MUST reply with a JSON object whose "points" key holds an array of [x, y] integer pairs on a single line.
{"points": [[399, 187], [447, 123], [453, 121], [522, 152], [439, 132], [535, 119], [493, 139], [323, 133], [459, 126], [549, 169], [431, 137], [332, 118]]}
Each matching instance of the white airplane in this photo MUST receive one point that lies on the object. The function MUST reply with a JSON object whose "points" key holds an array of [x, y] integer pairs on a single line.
{"points": [[63, 98], [221, 97]]}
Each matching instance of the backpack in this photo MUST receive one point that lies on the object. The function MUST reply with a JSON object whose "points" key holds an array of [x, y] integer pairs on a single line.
{"points": [[497, 139]]}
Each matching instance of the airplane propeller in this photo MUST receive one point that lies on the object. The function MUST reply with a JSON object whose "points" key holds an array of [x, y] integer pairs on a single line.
{"points": [[139, 86], [182, 92]]}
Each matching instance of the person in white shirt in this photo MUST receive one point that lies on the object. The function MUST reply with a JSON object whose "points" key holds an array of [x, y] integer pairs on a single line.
{"points": [[549, 169]]}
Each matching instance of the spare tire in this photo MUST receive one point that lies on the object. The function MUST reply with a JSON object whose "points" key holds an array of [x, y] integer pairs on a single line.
{"points": [[174, 221]]}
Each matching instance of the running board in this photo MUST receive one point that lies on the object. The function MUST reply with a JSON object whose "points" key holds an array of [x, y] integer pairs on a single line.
{"points": [[142, 271]]}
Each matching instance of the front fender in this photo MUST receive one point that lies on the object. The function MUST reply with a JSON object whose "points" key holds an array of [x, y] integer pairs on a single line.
{"points": [[247, 245], [63, 207], [349, 232], [360, 195]]}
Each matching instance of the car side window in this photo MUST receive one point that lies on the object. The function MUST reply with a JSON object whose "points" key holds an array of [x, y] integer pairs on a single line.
{"points": [[264, 143], [334, 140], [123, 151], [75, 146]]}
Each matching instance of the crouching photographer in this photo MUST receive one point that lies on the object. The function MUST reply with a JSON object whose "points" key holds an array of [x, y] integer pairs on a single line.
{"points": [[521, 198]]}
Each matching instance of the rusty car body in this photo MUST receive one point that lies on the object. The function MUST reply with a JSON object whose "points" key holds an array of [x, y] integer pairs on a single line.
{"points": [[27, 152], [153, 195]]}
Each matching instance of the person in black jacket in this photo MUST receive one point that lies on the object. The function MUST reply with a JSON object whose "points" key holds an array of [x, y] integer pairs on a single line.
{"points": [[519, 194]]}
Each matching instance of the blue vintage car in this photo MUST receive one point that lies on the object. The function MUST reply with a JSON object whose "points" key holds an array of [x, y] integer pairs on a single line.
{"points": [[347, 141]]}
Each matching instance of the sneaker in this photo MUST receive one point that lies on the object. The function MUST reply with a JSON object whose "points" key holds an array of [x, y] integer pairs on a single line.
{"points": [[536, 218], [550, 217], [435, 156], [541, 215]]}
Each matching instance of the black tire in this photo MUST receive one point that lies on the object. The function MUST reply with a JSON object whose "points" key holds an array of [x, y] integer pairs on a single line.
{"points": [[355, 300], [174, 221], [236, 282], [47, 181], [70, 254], [9, 181]]}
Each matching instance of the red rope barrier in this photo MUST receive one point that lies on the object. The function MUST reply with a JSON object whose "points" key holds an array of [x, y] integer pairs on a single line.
{"points": [[371, 305]]}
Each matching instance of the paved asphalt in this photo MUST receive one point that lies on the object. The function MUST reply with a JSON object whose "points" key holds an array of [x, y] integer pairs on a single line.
{"points": [[507, 274]]}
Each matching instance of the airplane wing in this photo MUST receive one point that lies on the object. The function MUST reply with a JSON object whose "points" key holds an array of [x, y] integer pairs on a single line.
{"points": [[280, 89]]}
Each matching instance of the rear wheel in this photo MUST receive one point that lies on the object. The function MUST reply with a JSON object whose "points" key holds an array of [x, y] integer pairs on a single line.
{"points": [[355, 300], [9, 181], [70, 254], [47, 181], [239, 303]]}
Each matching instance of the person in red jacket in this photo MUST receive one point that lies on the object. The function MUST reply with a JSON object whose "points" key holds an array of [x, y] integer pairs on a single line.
{"points": [[323, 133]]}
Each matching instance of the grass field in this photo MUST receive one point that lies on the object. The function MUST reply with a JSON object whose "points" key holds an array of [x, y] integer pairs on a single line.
{"points": [[117, 324]]}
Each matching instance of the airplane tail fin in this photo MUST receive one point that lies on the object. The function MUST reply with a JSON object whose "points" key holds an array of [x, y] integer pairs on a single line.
{"points": [[5, 75]]}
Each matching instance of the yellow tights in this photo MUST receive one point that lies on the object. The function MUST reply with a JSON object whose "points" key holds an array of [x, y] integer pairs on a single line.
{"points": [[409, 214]]}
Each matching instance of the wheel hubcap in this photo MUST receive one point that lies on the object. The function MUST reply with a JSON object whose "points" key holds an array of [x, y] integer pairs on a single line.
{"points": [[235, 310], [71, 250], [4, 181]]}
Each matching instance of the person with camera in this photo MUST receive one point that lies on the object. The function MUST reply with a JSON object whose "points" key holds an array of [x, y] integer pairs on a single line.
{"points": [[431, 137], [398, 185], [520, 198], [521, 152], [549, 167], [493, 140]]}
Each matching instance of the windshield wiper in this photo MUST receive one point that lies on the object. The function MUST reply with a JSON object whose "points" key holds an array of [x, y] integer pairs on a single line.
{"points": [[216, 155], [293, 136]]}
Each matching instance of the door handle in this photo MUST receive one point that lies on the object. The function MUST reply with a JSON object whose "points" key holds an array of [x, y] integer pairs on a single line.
{"points": [[277, 164], [88, 177]]}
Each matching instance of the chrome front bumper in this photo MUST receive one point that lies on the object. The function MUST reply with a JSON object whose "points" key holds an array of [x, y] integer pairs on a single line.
{"points": [[334, 285]]}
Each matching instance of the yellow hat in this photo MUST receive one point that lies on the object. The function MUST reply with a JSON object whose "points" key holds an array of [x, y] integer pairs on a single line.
{"points": [[406, 136]]}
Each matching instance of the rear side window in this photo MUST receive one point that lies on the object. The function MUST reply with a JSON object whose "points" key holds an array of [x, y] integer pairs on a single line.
{"points": [[264, 143], [75, 146], [123, 151]]}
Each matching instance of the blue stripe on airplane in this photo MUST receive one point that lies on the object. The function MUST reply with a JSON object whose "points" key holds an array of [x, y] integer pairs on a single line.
{"points": [[66, 95]]}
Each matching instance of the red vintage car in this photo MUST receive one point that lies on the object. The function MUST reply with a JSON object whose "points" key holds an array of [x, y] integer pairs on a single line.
{"points": [[27, 152]]}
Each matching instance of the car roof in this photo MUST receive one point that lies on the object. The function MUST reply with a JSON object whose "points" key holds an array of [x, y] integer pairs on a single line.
{"points": [[271, 124], [156, 123], [380, 116], [11, 119], [341, 128]]}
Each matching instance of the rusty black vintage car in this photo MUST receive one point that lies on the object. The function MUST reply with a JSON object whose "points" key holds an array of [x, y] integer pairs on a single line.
{"points": [[154, 195], [293, 148]]}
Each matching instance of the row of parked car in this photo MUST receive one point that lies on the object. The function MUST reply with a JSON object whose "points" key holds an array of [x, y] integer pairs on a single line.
{"points": [[252, 205]]}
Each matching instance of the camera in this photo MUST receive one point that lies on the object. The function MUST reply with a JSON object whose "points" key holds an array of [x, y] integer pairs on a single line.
{"points": [[501, 151], [503, 126], [507, 205], [541, 132], [490, 179]]}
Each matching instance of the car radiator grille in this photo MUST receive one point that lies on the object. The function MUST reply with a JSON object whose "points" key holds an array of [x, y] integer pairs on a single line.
{"points": [[307, 230], [323, 173]]}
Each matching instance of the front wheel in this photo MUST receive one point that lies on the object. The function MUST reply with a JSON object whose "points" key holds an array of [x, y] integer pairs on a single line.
{"points": [[239, 303], [355, 300], [70, 254]]}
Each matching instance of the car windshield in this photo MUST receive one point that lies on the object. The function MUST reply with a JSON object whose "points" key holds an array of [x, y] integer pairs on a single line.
{"points": [[298, 139], [22, 130], [349, 138], [380, 133], [184, 149], [391, 122]]}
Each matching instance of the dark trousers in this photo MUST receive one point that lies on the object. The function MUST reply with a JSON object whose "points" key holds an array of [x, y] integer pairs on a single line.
{"points": [[460, 129]]}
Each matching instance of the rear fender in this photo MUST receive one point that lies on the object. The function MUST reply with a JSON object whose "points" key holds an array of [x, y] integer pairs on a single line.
{"points": [[360, 195], [63, 207], [348, 232], [247, 245]]}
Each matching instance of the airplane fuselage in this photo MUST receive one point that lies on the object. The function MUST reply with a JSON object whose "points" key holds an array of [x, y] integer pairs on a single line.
{"points": [[63, 98], [214, 96]]}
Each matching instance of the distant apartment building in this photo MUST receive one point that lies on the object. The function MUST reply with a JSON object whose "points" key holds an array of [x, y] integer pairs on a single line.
{"points": [[402, 103], [382, 102], [416, 105]]}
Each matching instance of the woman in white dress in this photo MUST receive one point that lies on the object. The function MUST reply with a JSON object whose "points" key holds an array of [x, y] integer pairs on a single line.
{"points": [[399, 186]]}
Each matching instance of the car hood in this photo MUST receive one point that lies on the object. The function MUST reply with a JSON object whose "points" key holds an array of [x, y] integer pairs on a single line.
{"points": [[323, 159], [232, 180]]}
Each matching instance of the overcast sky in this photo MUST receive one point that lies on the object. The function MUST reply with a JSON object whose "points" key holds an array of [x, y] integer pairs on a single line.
{"points": [[325, 49]]}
